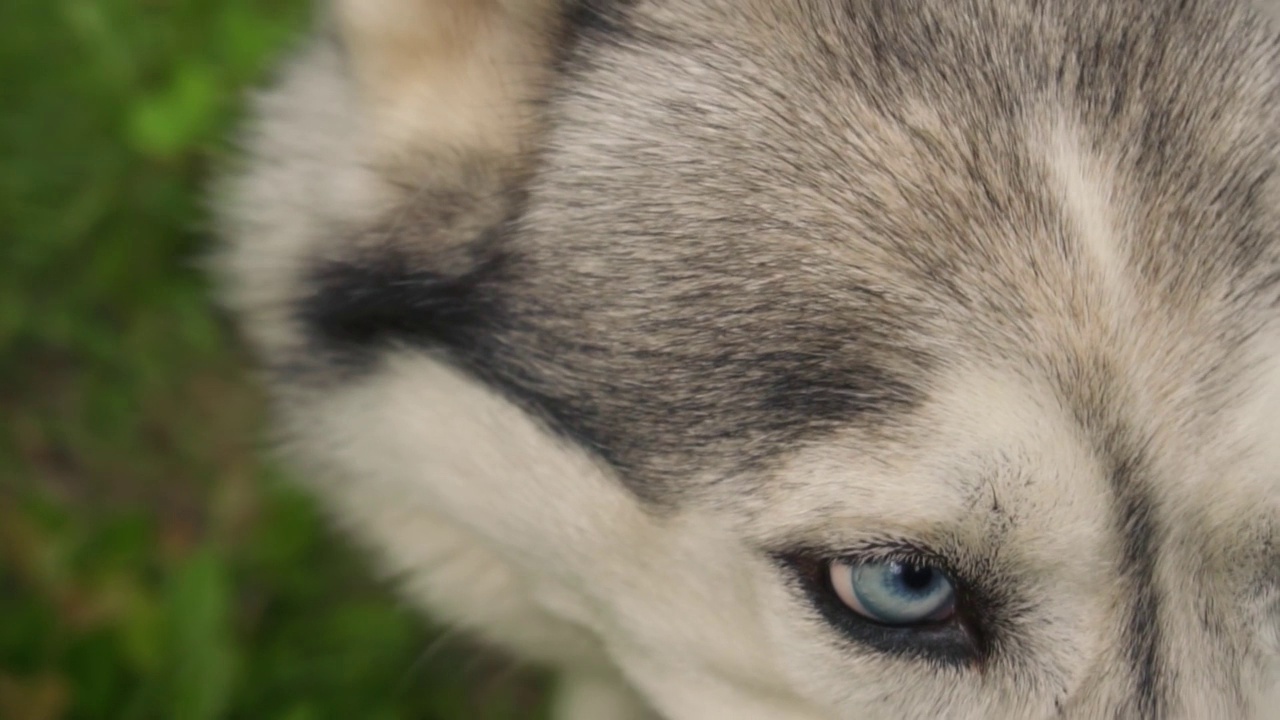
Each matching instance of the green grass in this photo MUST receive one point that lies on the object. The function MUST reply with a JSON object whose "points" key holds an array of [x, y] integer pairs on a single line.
{"points": [[152, 563]]}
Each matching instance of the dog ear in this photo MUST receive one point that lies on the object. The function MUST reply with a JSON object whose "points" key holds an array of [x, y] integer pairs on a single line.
{"points": [[455, 75]]}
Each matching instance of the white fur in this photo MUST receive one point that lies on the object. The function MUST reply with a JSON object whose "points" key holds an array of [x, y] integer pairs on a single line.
{"points": [[555, 536]]}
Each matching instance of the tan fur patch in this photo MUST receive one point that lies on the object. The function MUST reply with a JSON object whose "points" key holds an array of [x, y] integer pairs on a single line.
{"points": [[451, 73]]}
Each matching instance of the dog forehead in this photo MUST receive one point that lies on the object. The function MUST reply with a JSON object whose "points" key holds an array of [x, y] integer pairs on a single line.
{"points": [[910, 131], [775, 239]]}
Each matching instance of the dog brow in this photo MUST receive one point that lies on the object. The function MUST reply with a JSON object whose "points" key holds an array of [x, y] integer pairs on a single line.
{"points": [[732, 392]]}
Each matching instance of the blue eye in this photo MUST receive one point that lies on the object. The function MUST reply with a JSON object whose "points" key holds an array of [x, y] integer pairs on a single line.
{"points": [[895, 592]]}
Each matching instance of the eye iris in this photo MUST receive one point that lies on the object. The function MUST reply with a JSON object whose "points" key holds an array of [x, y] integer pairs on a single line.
{"points": [[901, 593]]}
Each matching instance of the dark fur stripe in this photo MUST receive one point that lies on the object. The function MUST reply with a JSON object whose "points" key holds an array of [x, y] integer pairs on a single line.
{"points": [[359, 305], [598, 17], [1143, 640]]}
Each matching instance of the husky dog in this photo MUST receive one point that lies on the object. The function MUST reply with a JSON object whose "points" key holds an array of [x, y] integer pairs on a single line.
{"points": [[793, 359]]}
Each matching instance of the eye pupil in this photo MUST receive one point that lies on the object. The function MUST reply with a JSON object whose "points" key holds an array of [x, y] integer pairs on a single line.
{"points": [[914, 577]]}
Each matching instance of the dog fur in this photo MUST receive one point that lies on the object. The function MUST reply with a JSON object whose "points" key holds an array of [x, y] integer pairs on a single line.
{"points": [[604, 324]]}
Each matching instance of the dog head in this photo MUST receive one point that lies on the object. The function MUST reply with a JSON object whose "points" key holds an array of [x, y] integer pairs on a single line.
{"points": [[821, 359]]}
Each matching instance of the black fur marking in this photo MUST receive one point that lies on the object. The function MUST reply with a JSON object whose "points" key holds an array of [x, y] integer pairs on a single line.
{"points": [[720, 394], [593, 24], [724, 393], [364, 307], [359, 305], [599, 17]]}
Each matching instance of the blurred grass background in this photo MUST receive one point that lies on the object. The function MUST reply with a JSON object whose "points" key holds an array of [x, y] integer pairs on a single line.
{"points": [[152, 563]]}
